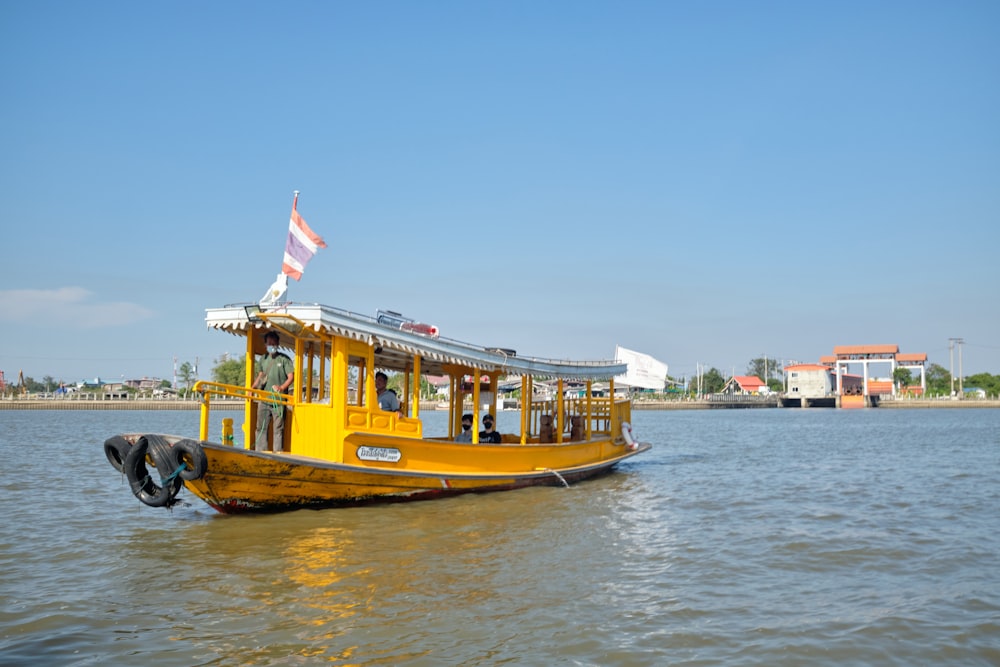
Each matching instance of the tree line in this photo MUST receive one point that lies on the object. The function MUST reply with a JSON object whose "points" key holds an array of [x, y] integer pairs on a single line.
{"points": [[228, 370]]}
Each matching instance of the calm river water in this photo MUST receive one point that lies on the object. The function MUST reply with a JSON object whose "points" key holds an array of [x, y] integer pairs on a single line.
{"points": [[768, 537]]}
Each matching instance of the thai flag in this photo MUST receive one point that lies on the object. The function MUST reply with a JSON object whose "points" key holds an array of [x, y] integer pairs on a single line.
{"points": [[301, 246]]}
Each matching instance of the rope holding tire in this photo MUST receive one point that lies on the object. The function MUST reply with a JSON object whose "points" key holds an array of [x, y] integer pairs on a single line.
{"points": [[191, 455], [158, 452]]}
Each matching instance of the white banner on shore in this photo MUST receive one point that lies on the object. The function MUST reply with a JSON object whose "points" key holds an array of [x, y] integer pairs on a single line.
{"points": [[643, 370]]}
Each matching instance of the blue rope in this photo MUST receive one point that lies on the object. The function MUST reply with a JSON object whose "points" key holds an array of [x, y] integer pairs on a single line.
{"points": [[165, 481]]}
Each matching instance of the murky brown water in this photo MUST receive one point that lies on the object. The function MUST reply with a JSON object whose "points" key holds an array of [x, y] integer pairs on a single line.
{"points": [[771, 537]]}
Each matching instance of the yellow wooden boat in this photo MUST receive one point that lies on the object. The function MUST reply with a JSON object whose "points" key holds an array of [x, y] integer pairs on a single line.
{"points": [[340, 449]]}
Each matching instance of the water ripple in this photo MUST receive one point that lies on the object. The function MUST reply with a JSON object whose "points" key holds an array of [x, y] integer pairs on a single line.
{"points": [[771, 537]]}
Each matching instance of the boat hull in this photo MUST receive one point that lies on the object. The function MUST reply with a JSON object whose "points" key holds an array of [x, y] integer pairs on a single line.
{"points": [[240, 481]]}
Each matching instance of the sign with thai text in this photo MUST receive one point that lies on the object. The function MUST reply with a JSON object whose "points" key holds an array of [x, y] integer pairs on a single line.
{"points": [[385, 454]]}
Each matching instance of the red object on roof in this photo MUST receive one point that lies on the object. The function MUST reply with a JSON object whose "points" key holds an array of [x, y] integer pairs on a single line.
{"points": [[749, 382], [420, 328], [911, 356]]}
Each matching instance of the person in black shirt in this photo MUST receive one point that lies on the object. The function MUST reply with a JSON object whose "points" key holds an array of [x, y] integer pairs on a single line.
{"points": [[488, 435]]}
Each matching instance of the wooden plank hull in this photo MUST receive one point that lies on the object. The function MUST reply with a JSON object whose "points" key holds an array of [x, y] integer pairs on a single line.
{"points": [[239, 481]]}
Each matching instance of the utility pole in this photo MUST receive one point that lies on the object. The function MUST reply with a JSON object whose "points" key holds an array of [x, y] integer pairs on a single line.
{"points": [[951, 363], [961, 389]]}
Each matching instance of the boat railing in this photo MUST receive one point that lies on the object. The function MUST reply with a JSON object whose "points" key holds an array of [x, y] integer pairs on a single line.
{"points": [[207, 389], [604, 414]]}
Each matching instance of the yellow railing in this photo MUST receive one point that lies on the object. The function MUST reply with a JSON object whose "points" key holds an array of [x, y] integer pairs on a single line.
{"points": [[208, 389], [604, 414]]}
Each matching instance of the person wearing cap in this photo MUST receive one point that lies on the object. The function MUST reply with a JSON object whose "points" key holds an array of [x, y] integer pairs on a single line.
{"points": [[466, 434], [488, 435]]}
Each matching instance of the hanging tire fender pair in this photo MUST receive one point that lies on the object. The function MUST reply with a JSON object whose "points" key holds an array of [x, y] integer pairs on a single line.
{"points": [[174, 464]]}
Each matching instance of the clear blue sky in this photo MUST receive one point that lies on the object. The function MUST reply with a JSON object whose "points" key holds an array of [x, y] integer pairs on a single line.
{"points": [[704, 182]]}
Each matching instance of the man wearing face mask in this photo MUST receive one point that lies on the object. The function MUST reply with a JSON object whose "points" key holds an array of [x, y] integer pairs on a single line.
{"points": [[466, 434], [275, 372], [488, 435]]}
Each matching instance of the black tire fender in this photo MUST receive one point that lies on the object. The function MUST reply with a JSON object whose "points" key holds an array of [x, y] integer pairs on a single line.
{"points": [[192, 455], [116, 448], [143, 485]]}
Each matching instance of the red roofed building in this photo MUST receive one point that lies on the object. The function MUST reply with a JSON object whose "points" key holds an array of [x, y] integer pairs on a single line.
{"points": [[745, 384]]}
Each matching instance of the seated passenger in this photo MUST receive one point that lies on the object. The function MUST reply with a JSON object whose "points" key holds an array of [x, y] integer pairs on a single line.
{"points": [[386, 397], [488, 435], [466, 434]]}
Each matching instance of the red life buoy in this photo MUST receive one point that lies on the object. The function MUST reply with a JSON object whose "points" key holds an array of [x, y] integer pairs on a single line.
{"points": [[627, 435]]}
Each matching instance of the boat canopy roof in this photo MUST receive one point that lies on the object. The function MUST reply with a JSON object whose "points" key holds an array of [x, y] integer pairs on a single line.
{"points": [[394, 348]]}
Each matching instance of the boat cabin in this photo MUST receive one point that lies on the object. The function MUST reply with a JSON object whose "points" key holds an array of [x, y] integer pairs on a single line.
{"points": [[336, 355]]}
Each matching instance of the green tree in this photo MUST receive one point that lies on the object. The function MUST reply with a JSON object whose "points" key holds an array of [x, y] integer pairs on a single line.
{"points": [[187, 375], [902, 377], [764, 368], [230, 371], [938, 381], [712, 381], [988, 383]]}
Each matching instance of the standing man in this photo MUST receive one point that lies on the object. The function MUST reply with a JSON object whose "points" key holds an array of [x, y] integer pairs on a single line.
{"points": [[275, 372]]}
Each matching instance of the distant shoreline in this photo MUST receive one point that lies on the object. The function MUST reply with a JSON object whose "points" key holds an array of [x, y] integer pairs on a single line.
{"points": [[893, 405], [49, 404], [74, 404]]}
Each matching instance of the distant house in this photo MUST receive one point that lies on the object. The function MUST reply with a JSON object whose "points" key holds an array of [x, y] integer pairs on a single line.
{"points": [[440, 383], [747, 385], [819, 381], [144, 384], [810, 381]]}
